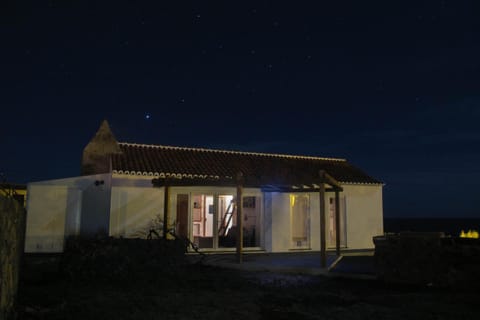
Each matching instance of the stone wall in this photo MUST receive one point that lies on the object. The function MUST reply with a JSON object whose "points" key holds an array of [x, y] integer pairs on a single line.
{"points": [[93, 259], [427, 259]]}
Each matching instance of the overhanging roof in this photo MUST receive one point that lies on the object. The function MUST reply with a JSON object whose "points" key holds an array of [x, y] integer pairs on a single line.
{"points": [[222, 166]]}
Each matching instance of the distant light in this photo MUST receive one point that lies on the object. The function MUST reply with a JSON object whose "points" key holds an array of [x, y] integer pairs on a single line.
{"points": [[147, 116]]}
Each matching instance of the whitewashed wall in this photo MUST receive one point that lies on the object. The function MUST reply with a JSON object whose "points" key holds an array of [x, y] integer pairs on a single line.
{"points": [[47, 208], [126, 206], [95, 212], [280, 222], [267, 238], [364, 208], [134, 211], [54, 211], [135, 206]]}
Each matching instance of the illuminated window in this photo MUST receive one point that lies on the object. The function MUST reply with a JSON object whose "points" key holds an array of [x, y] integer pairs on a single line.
{"points": [[300, 221]]}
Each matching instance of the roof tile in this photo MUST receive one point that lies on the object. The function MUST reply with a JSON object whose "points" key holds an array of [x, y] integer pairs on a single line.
{"points": [[276, 168]]}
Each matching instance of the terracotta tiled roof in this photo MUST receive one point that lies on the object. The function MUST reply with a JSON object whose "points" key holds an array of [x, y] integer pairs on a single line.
{"points": [[167, 161]]}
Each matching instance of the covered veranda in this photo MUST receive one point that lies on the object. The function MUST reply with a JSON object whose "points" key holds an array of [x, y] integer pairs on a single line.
{"points": [[288, 182]]}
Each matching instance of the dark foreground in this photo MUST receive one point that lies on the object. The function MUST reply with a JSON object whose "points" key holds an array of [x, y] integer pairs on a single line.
{"points": [[202, 292]]}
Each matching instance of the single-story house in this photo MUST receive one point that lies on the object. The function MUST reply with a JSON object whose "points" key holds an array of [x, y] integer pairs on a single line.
{"points": [[221, 200]]}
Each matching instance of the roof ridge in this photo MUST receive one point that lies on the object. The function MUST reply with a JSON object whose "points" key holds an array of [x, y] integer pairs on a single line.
{"points": [[279, 155]]}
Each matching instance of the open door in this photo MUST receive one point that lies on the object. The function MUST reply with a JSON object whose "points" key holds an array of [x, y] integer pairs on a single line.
{"points": [[182, 215], [203, 217]]}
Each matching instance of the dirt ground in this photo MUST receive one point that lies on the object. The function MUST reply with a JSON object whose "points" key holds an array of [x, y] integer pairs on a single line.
{"points": [[206, 292]]}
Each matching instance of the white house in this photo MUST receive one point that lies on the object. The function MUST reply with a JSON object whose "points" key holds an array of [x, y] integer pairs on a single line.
{"points": [[288, 202]]}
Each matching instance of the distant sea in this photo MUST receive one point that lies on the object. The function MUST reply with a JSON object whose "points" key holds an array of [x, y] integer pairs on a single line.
{"points": [[450, 226]]}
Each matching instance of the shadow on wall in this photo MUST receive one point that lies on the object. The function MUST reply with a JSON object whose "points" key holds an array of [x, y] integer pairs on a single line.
{"points": [[65, 207]]}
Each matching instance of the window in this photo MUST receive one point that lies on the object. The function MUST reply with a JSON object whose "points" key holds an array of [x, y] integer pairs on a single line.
{"points": [[300, 221]]}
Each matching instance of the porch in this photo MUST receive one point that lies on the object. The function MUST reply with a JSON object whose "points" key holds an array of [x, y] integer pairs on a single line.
{"points": [[351, 264]]}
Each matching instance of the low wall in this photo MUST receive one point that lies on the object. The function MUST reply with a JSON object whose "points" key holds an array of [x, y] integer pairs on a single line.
{"points": [[427, 259], [116, 258], [12, 233]]}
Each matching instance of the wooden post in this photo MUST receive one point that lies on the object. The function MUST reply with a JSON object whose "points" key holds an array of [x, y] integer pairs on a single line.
{"points": [[165, 211], [323, 249], [337, 223], [239, 217]]}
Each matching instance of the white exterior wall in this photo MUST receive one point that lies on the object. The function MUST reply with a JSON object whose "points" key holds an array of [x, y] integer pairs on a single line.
{"points": [[47, 209], [135, 206], [127, 205], [280, 222], [54, 211], [95, 207], [267, 225], [364, 207]]}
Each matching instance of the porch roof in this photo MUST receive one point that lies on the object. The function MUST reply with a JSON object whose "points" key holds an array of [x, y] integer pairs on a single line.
{"points": [[259, 169]]}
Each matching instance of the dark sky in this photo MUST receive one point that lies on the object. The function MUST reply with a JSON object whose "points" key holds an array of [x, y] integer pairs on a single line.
{"points": [[393, 87]]}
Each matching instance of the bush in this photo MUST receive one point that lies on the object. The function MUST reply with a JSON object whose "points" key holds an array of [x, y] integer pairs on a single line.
{"points": [[117, 258]]}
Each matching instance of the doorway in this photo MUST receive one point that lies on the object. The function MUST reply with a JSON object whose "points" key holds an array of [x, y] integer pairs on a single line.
{"points": [[203, 218], [214, 220]]}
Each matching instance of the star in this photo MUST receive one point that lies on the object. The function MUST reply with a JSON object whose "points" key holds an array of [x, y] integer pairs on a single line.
{"points": [[147, 116]]}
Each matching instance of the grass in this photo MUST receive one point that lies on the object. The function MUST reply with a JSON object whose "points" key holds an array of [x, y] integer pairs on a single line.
{"points": [[205, 292]]}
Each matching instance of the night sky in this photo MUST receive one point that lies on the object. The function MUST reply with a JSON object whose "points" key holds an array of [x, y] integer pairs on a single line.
{"points": [[393, 87]]}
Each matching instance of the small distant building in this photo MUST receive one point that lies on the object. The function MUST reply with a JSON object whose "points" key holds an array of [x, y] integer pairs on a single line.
{"points": [[16, 191], [288, 203]]}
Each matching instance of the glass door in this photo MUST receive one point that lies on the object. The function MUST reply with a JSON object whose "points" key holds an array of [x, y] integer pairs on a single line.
{"points": [[251, 221], [203, 218], [300, 221], [227, 221], [214, 221]]}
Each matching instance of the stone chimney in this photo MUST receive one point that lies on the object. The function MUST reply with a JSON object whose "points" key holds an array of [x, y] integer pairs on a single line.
{"points": [[97, 154]]}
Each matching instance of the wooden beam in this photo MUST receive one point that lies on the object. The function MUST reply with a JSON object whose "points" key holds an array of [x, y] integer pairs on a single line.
{"points": [[323, 249], [293, 190], [239, 217], [165, 211], [331, 181], [223, 182], [337, 223], [191, 182]]}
